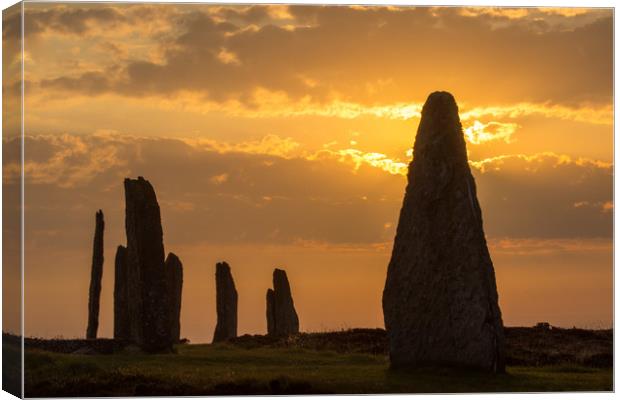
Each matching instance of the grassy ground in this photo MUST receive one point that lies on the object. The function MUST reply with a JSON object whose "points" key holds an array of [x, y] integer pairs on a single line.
{"points": [[232, 369]]}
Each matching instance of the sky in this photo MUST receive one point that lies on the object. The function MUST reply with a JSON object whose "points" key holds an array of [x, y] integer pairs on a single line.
{"points": [[279, 136]]}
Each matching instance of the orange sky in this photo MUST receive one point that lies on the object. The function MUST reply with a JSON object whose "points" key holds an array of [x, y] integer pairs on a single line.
{"points": [[279, 136]]}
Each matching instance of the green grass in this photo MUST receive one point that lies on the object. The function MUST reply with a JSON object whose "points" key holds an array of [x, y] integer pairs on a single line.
{"points": [[226, 369]]}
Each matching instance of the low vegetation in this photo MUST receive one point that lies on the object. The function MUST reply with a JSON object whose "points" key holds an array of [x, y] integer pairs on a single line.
{"points": [[352, 361]]}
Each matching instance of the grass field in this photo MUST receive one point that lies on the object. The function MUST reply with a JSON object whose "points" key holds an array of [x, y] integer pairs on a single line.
{"points": [[231, 369]]}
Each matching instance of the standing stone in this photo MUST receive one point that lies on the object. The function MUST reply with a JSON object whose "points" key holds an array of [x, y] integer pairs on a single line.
{"points": [[148, 290], [121, 305], [282, 318], [440, 299], [174, 270], [96, 272], [226, 304], [271, 322]]}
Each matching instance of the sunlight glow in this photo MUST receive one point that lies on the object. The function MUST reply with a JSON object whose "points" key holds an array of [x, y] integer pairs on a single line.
{"points": [[478, 132], [357, 158]]}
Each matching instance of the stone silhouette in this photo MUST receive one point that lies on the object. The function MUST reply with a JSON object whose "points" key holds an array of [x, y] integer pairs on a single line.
{"points": [[148, 297], [226, 304], [174, 270], [271, 322], [96, 272], [121, 305], [440, 300], [282, 318]]}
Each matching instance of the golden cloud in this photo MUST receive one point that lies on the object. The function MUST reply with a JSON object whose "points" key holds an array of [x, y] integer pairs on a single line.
{"points": [[534, 162], [594, 115], [544, 246], [272, 145], [515, 13], [479, 132], [603, 206], [274, 104], [357, 158], [74, 160]]}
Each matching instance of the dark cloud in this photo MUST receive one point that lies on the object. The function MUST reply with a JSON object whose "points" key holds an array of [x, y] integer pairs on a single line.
{"points": [[63, 19], [546, 196], [234, 197], [376, 54], [90, 83], [251, 15]]}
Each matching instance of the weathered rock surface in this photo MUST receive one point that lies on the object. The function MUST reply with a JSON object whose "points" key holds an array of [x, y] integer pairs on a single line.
{"points": [[282, 318], [96, 272], [174, 270], [440, 299], [121, 305], [148, 290], [226, 304]]}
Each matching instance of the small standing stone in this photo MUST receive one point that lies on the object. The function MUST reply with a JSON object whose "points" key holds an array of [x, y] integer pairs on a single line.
{"points": [[282, 319], [94, 293], [174, 269], [226, 304]]}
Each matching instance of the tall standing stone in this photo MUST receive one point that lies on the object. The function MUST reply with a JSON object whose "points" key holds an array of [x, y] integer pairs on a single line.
{"points": [[121, 305], [440, 300], [96, 272], [148, 290], [282, 318], [174, 270], [226, 304]]}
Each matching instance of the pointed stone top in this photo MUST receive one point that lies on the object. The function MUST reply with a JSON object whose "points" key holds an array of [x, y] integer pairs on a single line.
{"points": [[441, 101], [280, 281], [139, 189], [222, 266], [173, 258], [440, 135], [138, 179], [280, 278]]}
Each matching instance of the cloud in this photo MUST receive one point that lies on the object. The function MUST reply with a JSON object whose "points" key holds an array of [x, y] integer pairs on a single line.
{"points": [[358, 158], [65, 20], [535, 195], [90, 83], [272, 145], [225, 56], [594, 115], [480, 133], [551, 15], [535, 162], [79, 20], [66, 160], [244, 196], [219, 179], [604, 206], [537, 246]]}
